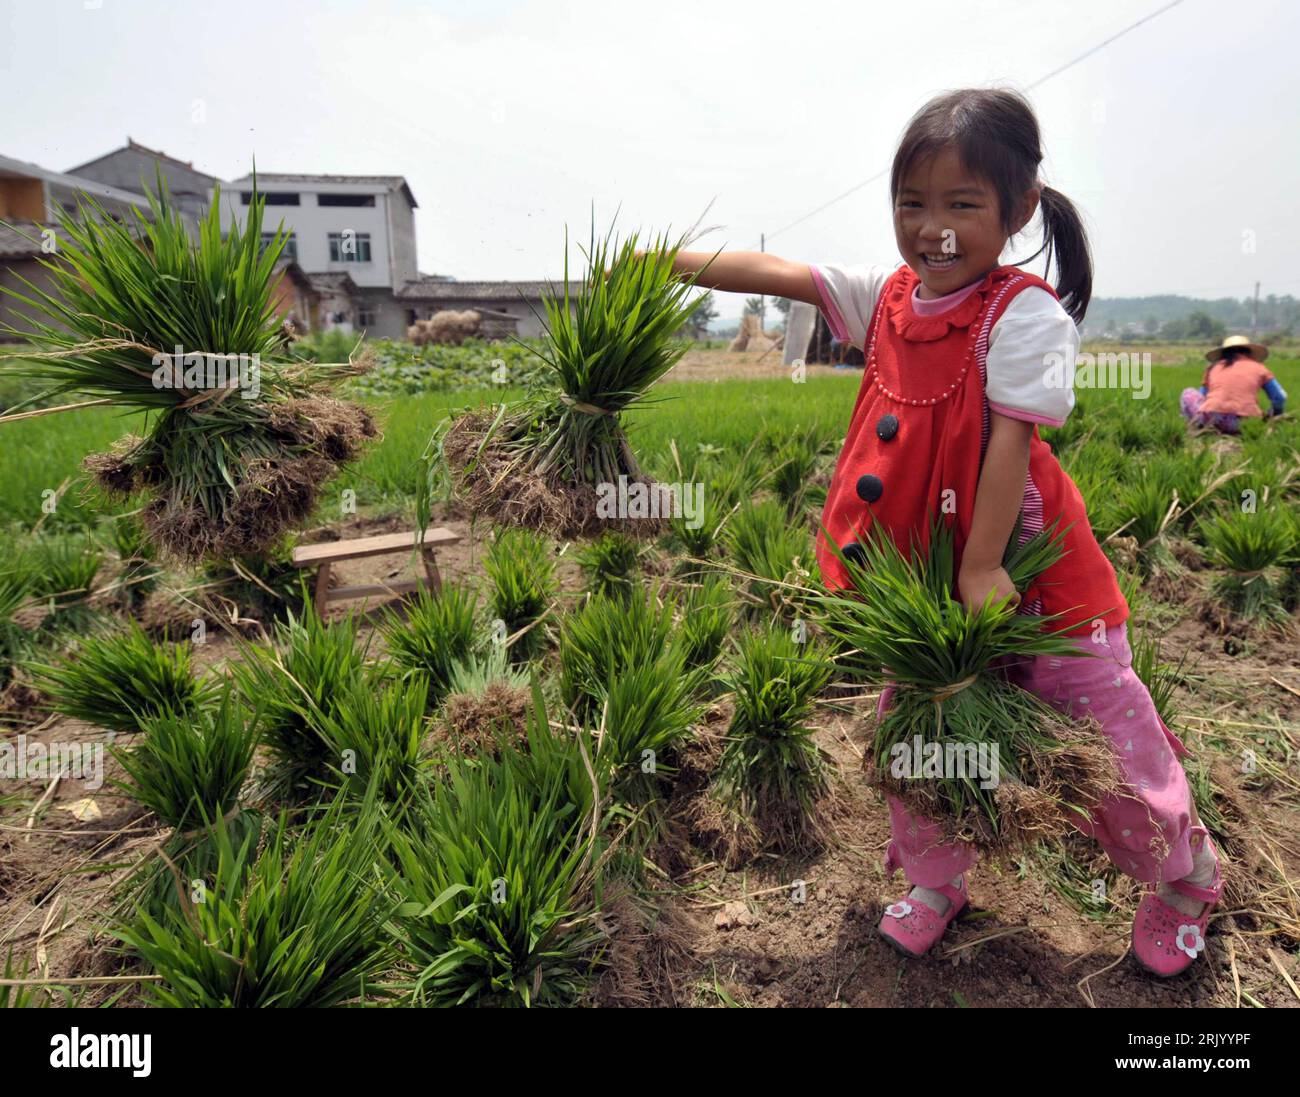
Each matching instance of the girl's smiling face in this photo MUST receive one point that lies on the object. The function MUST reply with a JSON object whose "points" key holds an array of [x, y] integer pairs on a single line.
{"points": [[948, 223]]}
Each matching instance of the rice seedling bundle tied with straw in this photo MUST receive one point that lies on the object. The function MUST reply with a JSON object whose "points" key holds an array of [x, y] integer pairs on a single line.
{"points": [[961, 744], [558, 459], [239, 437]]}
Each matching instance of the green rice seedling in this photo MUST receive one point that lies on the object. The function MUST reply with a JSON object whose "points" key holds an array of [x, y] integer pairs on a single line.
{"points": [[521, 569], [771, 773], [15, 593], [697, 534], [119, 680], [1161, 679], [223, 473], [498, 876], [793, 468], [909, 631], [296, 684], [707, 612], [605, 638], [375, 730], [644, 713], [1253, 548], [190, 768], [542, 461], [138, 572], [734, 482], [1146, 511], [287, 918], [64, 571], [437, 631], [771, 552], [610, 563]]}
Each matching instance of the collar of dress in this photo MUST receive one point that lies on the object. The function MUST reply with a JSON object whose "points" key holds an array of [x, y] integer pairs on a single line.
{"points": [[903, 317]]}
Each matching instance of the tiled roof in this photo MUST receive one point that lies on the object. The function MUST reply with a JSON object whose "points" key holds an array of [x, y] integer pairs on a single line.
{"points": [[333, 282], [13, 239], [428, 288]]}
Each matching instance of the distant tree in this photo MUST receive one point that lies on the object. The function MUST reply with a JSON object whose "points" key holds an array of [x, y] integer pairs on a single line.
{"points": [[1201, 325], [753, 306], [1151, 324], [782, 306]]}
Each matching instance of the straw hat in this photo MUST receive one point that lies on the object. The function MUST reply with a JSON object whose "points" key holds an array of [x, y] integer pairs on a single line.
{"points": [[1257, 350]]}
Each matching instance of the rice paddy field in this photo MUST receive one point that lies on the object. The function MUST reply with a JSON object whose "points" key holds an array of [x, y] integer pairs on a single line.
{"points": [[594, 773]]}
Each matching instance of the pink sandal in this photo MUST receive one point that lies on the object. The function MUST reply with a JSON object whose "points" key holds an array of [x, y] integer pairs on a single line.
{"points": [[914, 928], [1165, 940]]}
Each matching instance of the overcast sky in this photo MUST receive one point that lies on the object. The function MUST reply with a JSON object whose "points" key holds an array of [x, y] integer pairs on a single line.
{"points": [[510, 120]]}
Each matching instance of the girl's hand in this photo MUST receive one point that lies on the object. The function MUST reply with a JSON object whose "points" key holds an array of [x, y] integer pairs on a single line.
{"points": [[974, 585]]}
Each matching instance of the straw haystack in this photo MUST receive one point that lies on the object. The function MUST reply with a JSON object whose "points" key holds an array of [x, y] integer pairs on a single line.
{"points": [[450, 327], [752, 337]]}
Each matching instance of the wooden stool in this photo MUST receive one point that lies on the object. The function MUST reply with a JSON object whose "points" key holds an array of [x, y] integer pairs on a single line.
{"points": [[322, 556]]}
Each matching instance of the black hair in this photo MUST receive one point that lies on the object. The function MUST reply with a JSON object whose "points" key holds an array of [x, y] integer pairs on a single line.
{"points": [[995, 133]]}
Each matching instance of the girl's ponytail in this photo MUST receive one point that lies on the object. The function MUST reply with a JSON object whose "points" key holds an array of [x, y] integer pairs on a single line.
{"points": [[1064, 237]]}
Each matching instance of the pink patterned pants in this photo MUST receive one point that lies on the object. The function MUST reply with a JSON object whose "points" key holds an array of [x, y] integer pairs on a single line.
{"points": [[1143, 831]]}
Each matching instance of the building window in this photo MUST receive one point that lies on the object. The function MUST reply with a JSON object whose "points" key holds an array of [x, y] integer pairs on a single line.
{"points": [[365, 317], [350, 247], [290, 250], [345, 199], [281, 198]]}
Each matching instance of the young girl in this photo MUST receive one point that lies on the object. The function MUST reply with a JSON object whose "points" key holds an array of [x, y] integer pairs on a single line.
{"points": [[965, 358]]}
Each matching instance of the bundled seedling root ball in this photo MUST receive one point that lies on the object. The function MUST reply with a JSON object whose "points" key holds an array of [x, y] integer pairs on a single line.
{"points": [[240, 438], [297, 446], [558, 460], [961, 744], [1050, 769]]}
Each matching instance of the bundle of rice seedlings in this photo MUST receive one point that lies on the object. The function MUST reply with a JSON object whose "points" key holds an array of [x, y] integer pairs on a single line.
{"points": [[989, 762], [521, 569], [796, 461], [223, 473], [287, 918], [433, 634], [190, 768], [610, 563], [604, 639], [296, 684], [772, 776], [640, 719], [119, 680], [498, 872], [774, 555], [1253, 548], [375, 731], [539, 462], [706, 612], [487, 700], [64, 570], [1146, 510]]}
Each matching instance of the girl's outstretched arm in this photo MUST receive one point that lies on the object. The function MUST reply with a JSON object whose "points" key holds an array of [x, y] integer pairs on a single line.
{"points": [[751, 272], [998, 500]]}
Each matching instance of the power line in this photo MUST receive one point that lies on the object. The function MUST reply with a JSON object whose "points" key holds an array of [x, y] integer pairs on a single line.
{"points": [[1041, 80]]}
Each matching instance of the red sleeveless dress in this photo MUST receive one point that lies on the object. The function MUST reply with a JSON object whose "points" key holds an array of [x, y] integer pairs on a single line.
{"points": [[916, 442]]}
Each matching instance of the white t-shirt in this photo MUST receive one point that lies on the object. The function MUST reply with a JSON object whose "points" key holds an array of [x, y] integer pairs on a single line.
{"points": [[1032, 347]]}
